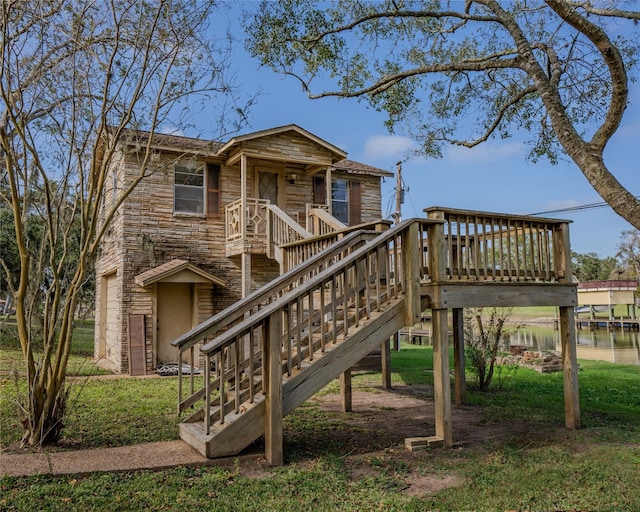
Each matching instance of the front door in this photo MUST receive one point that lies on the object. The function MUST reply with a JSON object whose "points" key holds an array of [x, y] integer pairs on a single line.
{"points": [[175, 317], [268, 186]]}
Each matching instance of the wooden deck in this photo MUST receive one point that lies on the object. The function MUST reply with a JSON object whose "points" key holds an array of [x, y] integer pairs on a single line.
{"points": [[280, 345]]}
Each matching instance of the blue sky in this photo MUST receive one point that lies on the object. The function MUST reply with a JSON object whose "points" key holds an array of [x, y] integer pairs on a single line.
{"points": [[492, 177]]}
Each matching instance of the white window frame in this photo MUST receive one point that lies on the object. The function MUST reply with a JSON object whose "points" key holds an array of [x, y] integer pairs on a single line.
{"points": [[336, 187]]}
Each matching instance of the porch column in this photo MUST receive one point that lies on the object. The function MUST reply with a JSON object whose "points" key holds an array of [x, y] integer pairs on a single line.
{"points": [[441, 381], [245, 256], [385, 358], [346, 396], [327, 180]]}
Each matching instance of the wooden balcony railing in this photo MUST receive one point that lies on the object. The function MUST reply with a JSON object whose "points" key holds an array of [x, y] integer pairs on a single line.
{"points": [[255, 219]]}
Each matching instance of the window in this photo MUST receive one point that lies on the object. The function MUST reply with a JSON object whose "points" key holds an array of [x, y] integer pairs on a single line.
{"points": [[188, 194], [346, 199], [340, 200]]}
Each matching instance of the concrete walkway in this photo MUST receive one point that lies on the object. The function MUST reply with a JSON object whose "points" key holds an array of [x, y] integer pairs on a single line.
{"points": [[153, 456]]}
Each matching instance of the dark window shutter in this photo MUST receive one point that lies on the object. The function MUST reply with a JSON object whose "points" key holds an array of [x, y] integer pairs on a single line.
{"points": [[355, 203], [137, 342], [319, 190], [213, 190]]}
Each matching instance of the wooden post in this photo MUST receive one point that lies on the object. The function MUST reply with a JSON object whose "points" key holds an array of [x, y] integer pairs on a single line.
{"points": [[441, 382], [345, 391], [245, 257], [273, 399], [328, 192], [411, 268], [458, 356], [562, 257], [570, 368], [396, 341], [385, 357]]}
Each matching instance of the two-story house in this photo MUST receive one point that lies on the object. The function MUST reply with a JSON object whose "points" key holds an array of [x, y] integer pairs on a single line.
{"points": [[207, 227]]}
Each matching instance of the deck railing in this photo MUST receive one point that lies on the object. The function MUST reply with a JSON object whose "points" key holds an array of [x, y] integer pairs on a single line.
{"points": [[499, 247], [295, 253], [314, 305], [282, 229]]}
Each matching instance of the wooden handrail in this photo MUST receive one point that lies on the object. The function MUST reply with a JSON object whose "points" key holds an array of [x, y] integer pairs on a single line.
{"points": [[323, 222], [294, 253], [376, 225], [290, 225], [475, 213]]}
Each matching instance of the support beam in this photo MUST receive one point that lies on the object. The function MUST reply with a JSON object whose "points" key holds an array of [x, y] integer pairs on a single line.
{"points": [[458, 356], [570, 368], [441, 382], [273, 399], [562, 256], [346, 396]]}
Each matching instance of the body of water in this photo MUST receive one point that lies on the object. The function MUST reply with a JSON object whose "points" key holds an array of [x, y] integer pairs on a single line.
{"points": [[614, 345]]}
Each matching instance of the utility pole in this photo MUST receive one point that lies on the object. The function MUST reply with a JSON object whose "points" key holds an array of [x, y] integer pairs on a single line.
{"points": [[397, 216]]}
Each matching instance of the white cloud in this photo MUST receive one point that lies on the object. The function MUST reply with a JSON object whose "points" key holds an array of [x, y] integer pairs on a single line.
{"points": [[485, 153], [383, 146], [169, 129]]}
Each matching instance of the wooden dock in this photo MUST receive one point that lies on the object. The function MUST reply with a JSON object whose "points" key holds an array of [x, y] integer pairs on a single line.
{"points": [[631, 324]]}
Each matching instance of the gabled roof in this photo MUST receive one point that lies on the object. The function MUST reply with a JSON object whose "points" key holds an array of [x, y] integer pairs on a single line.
{"points": [[278, 130], [176, 271], [169, 142], [359, 168]]}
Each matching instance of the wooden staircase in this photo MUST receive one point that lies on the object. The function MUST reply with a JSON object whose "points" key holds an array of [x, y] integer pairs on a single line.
{"points": [[291, 339]]}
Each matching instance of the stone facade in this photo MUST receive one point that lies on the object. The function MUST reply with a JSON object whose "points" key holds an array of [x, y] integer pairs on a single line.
{"points": [[146, 233]]}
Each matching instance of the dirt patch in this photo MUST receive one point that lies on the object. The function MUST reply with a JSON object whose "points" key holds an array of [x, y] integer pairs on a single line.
{"points": [[381, 420]]}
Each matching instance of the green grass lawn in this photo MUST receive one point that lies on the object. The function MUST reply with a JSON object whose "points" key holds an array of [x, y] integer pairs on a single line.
{"points": [[80, 360], [550, 468]]}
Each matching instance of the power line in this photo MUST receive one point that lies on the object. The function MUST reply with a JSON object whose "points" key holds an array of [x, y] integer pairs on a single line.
{"points": [[578, 208]]}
